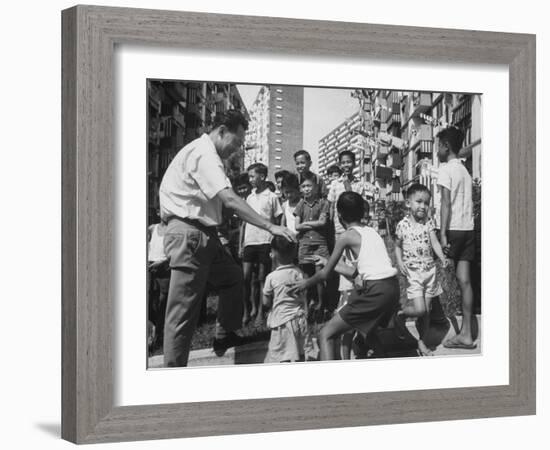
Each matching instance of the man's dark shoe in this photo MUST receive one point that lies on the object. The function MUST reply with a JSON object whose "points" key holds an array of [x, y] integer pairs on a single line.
{"points": [[231, 340]]}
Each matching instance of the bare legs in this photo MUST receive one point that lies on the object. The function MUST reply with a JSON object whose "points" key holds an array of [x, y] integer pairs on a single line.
{"points": [[419, 307], [464, 281]]}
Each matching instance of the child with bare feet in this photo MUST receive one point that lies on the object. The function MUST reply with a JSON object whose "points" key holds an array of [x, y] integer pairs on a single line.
{"points": [[287, 318], [415, 244]]}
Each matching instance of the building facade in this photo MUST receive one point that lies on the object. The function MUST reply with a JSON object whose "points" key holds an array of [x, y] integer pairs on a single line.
{"points": [[179, 112], [394, 132], [276, 126]]}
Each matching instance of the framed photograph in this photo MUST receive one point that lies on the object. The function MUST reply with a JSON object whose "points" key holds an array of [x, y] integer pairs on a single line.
{"points": [[376, 105]]}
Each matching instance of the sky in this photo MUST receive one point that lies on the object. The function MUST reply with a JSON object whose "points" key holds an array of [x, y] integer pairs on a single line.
{"points": [[324, 109]]}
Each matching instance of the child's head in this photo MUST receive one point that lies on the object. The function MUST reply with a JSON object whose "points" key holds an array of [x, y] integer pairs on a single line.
{"points": [[350, 207], [418, 201], [283, 250], [257, 174], [307, 186], [346, 159], [279, 175], [334, 172], [449, 141], [302, 160], [270, 186], [241, 185], [290, 187]]}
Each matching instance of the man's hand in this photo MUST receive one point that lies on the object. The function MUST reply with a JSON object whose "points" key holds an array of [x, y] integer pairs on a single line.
{"points": [[445, 262], [277, 230]]}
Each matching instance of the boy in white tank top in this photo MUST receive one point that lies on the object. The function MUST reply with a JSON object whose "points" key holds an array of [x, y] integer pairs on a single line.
{"points": [[377, 297]]}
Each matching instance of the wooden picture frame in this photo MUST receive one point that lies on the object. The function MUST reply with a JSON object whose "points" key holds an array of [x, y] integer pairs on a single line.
{"points": [[90, 34]]}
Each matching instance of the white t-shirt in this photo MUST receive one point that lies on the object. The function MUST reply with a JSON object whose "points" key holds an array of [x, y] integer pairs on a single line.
{"points": [[455, 177], [290, 218], [285, 306], [192, 181], [267, 205]]}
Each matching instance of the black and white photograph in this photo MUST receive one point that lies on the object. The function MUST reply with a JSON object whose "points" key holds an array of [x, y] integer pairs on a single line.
{"points": [[292, 224]]}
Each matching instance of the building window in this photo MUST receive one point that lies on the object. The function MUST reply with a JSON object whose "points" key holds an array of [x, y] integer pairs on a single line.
{"points": [[279, 124], [278, 158], [279, 99], [279, 91], [278, 149], [277, 166], [278, 132], [278, 141], [279, 107], [279, 116]]}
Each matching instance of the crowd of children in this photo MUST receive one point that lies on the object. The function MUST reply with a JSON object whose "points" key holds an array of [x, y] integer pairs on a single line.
{"points": [[291, 280]]}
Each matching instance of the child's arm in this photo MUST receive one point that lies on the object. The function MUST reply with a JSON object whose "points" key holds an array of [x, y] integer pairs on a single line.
{"points": [[347, 270], [399, 256], [323, 274], [301, 226], [267, 300], [437, 248], [267, 297], [445, 215], [322, 220]]}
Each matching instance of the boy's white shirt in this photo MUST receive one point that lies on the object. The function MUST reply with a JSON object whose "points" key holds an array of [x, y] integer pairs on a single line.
{"points": [[455, 177], [267, 205]]}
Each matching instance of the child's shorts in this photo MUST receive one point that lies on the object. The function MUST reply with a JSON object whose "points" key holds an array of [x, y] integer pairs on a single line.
{"points": [[257, 254], [366, 307], [462, 245], [307, 250], [290, 341], [423, 283]]}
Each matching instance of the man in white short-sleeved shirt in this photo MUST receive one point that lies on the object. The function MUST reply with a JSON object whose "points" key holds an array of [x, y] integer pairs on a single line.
{"points": [[457, 225], [192, 193]]}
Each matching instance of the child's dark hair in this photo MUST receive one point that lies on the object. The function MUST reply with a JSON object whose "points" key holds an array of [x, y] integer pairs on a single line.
{"points": [[259, 168], [302, 153], [285, 248], [290, 181], [270, 186], [346, 153], [231, 119], [453, 137], [310, 176], [281, 173], [334, 169], [240, 180], [417, 187], [350, 206]]}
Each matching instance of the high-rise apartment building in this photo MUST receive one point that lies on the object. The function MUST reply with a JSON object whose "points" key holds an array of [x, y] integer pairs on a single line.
{"points": [[276, 126], [179, 112]]}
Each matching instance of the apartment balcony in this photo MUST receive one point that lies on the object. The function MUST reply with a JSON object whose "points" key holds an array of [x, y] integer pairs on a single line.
{"points": [[423, 133], [383, 173], [421, 103], [424, 151], [394, 119], [383, 152], [394, 160]]}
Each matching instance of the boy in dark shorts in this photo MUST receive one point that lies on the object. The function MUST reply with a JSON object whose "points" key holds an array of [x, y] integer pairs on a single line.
{"points": [[377, 297], [457, 225], [256, 244], [312, 226]]}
